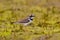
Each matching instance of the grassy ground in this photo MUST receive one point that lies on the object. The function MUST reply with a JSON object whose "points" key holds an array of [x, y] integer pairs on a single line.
{"points": [[46, 21]]}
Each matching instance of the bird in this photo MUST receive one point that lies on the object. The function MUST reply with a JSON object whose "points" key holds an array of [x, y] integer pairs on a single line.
{"points": [[26, 21]]}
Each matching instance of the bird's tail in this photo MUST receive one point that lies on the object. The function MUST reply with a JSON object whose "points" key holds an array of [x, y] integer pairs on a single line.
{"points": [[14, 22]]}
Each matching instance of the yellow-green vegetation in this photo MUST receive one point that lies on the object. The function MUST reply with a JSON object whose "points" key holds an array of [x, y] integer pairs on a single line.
{"points": [[46, 21]]}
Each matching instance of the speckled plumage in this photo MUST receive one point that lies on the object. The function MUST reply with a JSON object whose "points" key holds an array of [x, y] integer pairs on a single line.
{"points": [[26, 21]]}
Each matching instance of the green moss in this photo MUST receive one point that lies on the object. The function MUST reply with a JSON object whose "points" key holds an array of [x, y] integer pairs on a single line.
{"points": [[46, 19]]}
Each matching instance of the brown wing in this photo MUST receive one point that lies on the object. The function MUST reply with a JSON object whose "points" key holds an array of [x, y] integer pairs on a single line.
{"points": [[24, 21]]}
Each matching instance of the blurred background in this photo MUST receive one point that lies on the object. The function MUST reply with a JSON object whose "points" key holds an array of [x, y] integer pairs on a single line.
{"points": [[46, 21]]}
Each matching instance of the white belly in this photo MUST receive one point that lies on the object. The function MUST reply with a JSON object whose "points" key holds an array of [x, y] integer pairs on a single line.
{"points": [[25, 24]]}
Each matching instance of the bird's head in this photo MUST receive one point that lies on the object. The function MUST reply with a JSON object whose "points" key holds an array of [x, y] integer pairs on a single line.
{"points": [[31, 16]]}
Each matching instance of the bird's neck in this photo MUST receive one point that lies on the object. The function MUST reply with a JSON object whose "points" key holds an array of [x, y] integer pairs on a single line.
{"points": [[31, 18]]}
